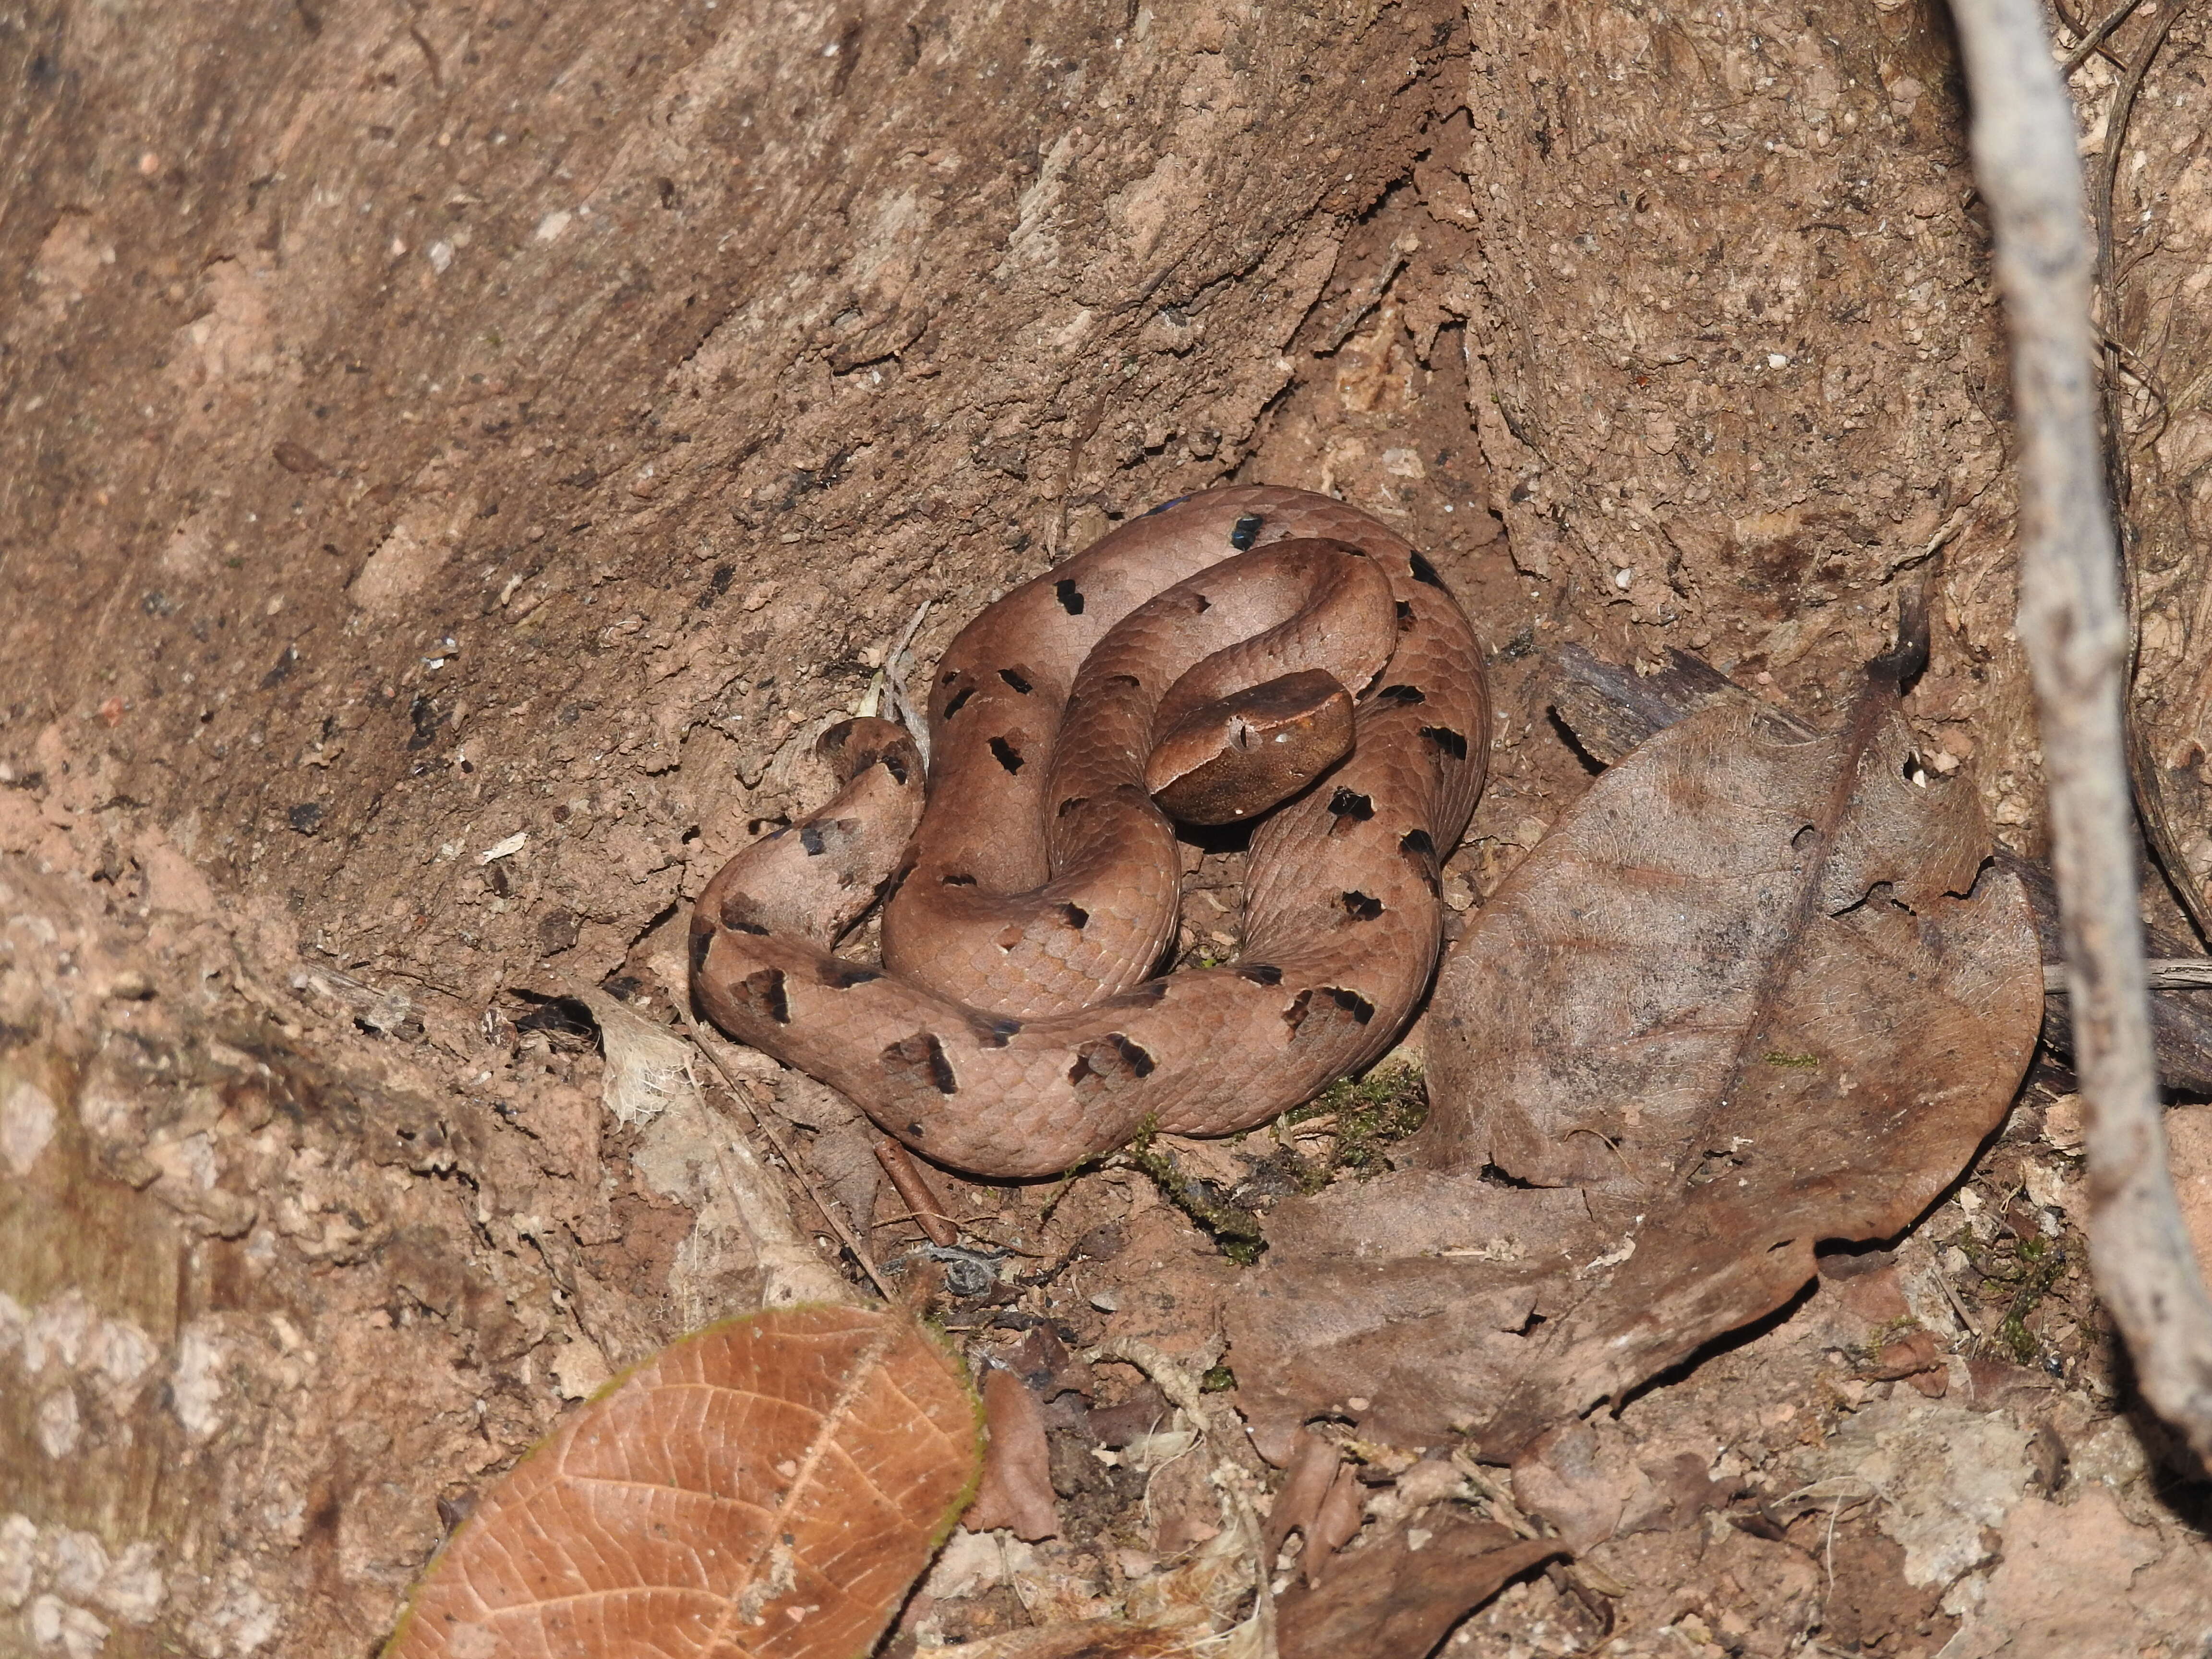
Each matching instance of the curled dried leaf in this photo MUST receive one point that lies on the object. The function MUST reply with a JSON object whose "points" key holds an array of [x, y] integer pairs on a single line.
{"points": [[1017, 1487], [1334, 1525], [1312, 1472], [1757, 990], [769, 1486]]}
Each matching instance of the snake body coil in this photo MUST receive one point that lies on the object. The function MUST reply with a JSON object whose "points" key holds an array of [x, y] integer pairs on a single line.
{"points": [[1014, 1030]]}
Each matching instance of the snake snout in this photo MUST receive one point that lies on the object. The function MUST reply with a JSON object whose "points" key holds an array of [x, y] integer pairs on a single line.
{"points": [[1239, 755]]}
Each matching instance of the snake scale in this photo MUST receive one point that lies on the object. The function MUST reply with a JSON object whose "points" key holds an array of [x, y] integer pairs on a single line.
{"points": [[1016, 1026]]}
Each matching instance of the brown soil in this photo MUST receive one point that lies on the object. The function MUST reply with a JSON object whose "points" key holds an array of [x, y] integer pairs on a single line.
{"points": [[456, 457]]}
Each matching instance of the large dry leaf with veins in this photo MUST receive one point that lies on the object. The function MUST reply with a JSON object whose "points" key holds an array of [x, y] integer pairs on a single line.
{"points": [[1756, 991], [768, 1485]]}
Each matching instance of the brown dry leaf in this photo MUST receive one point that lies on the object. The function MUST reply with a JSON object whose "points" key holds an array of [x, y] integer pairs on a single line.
{"points": [[1754, 997], [1400, 1594], [768, 1485], [1017, 1486], [1312, 1474], [1399, 1302], [1341, 1510], [1755, 991]]}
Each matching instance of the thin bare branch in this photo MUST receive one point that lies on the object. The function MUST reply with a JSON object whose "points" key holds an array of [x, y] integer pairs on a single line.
{"points": [[2150, 794], [919, 1195], [2071, 625], [2164, 974], [2093, 39], [739, 1093]]}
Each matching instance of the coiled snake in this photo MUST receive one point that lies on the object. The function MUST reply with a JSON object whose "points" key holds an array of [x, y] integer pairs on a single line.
{"points": [[1209, 653]]}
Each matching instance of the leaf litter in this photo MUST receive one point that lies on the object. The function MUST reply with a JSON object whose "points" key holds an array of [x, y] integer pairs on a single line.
{"points": [[1758, 990], [1761, 988]]}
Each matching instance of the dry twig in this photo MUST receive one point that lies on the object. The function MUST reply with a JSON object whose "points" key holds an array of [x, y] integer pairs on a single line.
{"points": [[2071, 626], [799, 1173], [2093, 37], [2163, 974], [2122, 365], [917, 1193]]}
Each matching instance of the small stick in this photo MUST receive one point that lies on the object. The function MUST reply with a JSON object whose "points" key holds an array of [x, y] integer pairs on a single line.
{"points": [[743, 1098], [2163, 973], [916, 1193], [887, 691], [1965, 1315], [2076, 636], [2093, 38], [2150, 794]]}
